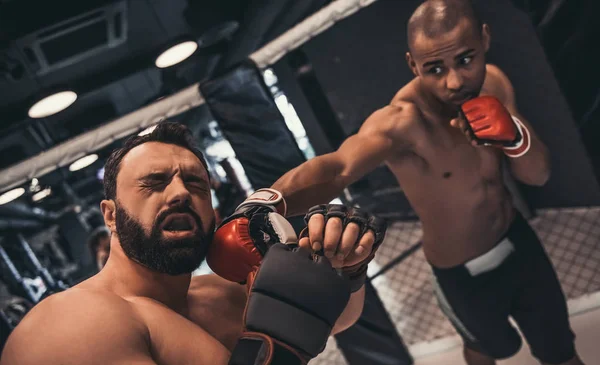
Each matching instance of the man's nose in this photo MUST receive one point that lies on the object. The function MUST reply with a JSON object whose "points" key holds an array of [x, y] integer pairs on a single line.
{"points": [[454, 81], [178, 193]]}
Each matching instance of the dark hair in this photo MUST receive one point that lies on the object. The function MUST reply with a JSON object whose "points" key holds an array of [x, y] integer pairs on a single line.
{"points": [[165, 132], [436, 17], [94, 238]]}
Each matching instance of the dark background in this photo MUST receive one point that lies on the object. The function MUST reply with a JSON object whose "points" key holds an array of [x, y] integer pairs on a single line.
{"points": [[547, 47]]}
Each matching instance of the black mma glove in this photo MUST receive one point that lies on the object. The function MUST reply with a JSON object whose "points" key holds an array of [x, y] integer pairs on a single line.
{"points": [[294, 300], [356, 273]]}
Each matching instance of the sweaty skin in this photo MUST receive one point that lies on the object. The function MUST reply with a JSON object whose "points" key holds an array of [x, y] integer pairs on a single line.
{"points": [[129, 314], [455, 188]]}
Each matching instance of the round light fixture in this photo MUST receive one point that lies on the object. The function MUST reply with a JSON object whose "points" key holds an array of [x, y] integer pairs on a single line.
{"points": [[52, 104], [11, 195], [176, 54], [41, 194], [147, 130], [83, 162]]}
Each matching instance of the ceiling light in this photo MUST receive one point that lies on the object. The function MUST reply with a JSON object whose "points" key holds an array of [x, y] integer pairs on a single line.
{"points": [[176, 54], [100, 173], [52, 104], [83, 162], [41, 194], [147, 131], [11, 195]]}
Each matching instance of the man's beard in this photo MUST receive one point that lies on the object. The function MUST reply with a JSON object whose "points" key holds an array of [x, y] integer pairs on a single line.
{"points": [[167, 256]]}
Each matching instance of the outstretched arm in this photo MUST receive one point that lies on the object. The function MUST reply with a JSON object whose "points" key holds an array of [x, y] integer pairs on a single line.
{"points": [[323, 178]]}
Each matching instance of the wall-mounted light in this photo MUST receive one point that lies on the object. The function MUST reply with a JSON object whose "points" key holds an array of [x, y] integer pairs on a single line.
{"points": [[52, 104], [83, 162], [11, 195], [147, 130], [176, 54], [42, 194]]}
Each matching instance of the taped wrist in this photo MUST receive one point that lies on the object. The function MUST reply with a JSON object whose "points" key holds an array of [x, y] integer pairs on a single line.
{"points": [[269, 198], [258, 349], [523, 142]]}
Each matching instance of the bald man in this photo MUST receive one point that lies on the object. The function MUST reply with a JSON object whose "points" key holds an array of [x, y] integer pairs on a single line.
{"points": [[445, 136]]}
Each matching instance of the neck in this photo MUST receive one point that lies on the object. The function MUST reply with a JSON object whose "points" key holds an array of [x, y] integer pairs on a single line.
{"points": [[128, 278]]}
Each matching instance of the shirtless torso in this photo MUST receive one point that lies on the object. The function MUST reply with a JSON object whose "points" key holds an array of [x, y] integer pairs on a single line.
{"points": [[456, 189], [141, 330]]}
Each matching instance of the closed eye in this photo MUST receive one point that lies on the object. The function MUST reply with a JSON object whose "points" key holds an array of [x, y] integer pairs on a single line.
{"points": [[197, 182]]}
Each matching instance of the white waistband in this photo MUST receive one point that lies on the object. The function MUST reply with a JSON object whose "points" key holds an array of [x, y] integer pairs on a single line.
{"points": [[491, 259]]}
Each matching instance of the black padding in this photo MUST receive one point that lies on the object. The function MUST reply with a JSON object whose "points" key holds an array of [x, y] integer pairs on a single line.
{"points": [[249, 351], [260, 318], [336, 211], [249, 118], [358, 217], [296, 278], [379, 227], [317, 209]]}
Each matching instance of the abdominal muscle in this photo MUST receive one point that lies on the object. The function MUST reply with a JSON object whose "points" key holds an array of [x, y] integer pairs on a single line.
{"points": [[463, 216]]}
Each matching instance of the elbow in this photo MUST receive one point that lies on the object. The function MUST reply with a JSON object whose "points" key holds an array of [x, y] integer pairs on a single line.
{"points": [[544, 172], [544, 177], [540, 178]]}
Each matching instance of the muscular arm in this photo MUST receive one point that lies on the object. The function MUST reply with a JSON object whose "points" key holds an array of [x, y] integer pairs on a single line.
{"points": [[323, 178], [533, 168], [71, 329]]}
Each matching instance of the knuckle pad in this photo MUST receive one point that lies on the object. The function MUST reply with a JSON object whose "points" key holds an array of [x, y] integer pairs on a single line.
{"points": [[336, 210], [359, 217], [379, 227], [317, 209]]}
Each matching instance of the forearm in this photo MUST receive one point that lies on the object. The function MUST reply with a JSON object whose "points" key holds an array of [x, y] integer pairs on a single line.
{"points": [[317, 181], [351, 313], [533, 167]]}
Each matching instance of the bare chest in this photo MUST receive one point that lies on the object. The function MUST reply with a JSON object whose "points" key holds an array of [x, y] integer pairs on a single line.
{"points": [[443, 153], [175, 339]]}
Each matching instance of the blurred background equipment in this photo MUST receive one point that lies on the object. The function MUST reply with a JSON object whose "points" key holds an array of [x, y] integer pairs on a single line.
{"points": [[264, 86]]}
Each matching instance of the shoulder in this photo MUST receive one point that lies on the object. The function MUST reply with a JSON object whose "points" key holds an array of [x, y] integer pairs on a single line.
{"points": [[217, 306], [395, 117], [214, 287], [67, 323], [498, 84]]}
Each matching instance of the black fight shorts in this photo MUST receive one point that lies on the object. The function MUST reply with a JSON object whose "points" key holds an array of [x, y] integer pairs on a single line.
{"points": [[516, 279]]}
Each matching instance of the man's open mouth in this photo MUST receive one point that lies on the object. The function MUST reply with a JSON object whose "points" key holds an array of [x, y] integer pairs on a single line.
{"points": [[178, 222]]}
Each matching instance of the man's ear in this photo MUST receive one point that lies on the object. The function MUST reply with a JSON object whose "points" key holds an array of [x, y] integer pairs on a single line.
{"points": [[411, 64], [108, 209], [486, 37]]}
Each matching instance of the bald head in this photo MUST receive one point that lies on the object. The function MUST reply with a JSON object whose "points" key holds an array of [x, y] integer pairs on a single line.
{"points": [[436, 17]]}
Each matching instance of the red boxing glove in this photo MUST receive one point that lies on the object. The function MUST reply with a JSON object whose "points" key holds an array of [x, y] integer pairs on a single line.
{"points": [[489, 123], [243, 238]]}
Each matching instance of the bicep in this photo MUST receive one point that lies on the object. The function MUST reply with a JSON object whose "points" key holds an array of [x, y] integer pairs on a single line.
{"points": [[364, 151]]}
